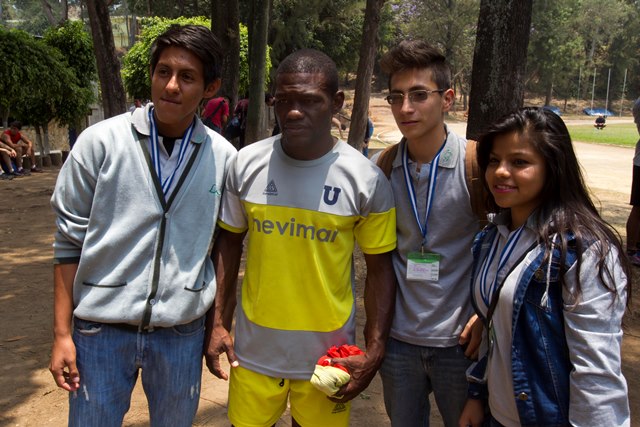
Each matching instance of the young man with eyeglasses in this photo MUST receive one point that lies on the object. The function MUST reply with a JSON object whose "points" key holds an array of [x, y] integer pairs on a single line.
{"points": [[431, 337]]}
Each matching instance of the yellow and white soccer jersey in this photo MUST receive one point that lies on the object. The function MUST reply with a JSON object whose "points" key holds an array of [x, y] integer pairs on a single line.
{"points": [[303, 219]]}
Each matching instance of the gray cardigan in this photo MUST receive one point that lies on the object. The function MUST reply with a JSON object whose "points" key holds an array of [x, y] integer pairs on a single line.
{"points": [[143, 260]]}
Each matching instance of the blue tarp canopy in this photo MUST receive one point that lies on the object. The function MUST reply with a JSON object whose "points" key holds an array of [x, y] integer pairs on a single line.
{"points": [[553, 109], [597, 112]]}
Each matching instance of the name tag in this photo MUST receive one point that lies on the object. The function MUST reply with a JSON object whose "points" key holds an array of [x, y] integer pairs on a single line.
{"points": [[423, 266]]}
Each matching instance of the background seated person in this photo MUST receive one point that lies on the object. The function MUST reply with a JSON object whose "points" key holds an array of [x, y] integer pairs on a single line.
{"points": [[6, 153], [600, 122], [22, 146]]}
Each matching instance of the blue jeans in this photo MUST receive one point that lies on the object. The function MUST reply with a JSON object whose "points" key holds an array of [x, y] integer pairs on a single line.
{"points": [[411, 372], [109, 358]]}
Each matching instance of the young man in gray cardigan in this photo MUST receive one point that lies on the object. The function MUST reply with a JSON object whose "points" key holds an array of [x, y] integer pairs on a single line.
{"points": [[136, 205]]}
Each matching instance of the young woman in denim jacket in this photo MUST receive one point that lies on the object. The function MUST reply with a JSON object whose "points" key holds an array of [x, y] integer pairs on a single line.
{"points": [[550, 281]]}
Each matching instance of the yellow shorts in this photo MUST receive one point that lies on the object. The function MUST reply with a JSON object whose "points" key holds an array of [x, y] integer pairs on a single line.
{"points": [[257, 400]]}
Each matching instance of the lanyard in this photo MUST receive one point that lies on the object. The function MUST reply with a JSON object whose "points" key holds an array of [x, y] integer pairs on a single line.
{"points": [[155, 152], [433, 175], [487, 288]]}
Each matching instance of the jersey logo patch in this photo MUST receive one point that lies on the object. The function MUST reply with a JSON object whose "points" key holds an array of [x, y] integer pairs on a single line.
{"points": [[271, 189], [327, 191]]}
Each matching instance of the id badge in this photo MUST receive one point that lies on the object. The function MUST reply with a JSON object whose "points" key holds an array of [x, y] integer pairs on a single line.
{"points": [[423, 266]]}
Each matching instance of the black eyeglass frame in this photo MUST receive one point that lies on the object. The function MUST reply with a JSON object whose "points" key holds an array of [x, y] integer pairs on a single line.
{"points": [[396, 96]]}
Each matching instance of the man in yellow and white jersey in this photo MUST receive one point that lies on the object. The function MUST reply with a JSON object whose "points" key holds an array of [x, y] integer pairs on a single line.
{"points": [[304, 199]]}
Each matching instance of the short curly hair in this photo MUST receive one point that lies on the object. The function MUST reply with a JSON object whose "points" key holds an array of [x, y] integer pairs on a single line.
{"points": [[311, 61]]}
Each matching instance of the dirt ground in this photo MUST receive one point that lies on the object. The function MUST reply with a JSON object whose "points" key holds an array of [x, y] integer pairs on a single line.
{"points": [[29, 396]]}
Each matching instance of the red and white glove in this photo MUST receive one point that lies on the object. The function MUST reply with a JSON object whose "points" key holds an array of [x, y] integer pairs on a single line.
{"points": [[329, 377]]}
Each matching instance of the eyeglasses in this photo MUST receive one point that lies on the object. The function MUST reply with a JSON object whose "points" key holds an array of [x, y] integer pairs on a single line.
{"points": [[415, 96]]}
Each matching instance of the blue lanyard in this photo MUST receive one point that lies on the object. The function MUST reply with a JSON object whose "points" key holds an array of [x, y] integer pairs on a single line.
{"points": [[433, 176], [487, 288], [155, 152]]}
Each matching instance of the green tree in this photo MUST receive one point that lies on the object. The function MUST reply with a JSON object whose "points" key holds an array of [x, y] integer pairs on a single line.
{"points": [[555, 49], [339, 34], [332, 26], [41, 89], [75, 44], [169, 8]]}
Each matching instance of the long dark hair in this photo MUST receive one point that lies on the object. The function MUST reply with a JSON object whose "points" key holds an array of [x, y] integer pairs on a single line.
{"points": [[566, 207]]}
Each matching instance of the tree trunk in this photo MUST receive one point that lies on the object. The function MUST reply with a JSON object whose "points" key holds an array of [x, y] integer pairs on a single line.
{"points": [[499, 60], [114, 100], [48, 12], [368, 48], [5, 116], [39, 145], [225, 23], [548, 93], [132, 29], [257, 63], [45, 140]]}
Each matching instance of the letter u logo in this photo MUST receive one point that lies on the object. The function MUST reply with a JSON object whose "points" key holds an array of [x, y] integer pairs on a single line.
{"points": [[327, 191]]}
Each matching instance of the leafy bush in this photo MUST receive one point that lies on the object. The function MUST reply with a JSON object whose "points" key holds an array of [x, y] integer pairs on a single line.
{"points": [[37, 82]]}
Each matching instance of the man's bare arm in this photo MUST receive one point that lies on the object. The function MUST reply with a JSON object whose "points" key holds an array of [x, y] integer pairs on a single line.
{"points": [[63, 352], [226, 256], [4, 139], [379, 304]]}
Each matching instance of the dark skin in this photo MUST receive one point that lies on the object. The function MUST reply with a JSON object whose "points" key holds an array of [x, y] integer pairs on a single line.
{"points": [[379, 302], [226, 255], [304, 109]]}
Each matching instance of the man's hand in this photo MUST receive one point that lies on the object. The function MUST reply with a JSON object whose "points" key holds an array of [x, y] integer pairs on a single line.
{"points": [[472, 414], [63, 363], [362, 370], [472, 336], [216, 342]]}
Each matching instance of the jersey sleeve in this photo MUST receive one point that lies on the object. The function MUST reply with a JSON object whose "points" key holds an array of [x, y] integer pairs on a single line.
{"points": [[376, 230], [233, 216]]}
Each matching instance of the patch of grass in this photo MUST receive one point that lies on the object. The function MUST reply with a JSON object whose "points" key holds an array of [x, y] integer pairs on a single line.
{"points": [[624, 134]]}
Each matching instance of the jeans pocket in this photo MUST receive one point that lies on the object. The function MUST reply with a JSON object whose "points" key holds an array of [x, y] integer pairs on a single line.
{"points": [[190, 328], [86, 327]]}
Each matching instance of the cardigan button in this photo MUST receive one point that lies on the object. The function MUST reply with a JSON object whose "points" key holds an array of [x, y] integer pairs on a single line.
{"points": [[523, 396]]}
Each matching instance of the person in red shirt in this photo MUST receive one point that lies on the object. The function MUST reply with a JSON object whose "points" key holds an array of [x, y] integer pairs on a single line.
{"points": [[216, 114], [22, 146]]}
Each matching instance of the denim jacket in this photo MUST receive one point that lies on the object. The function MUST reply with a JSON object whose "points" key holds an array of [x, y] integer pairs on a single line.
{"points": [[565, 357]]}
